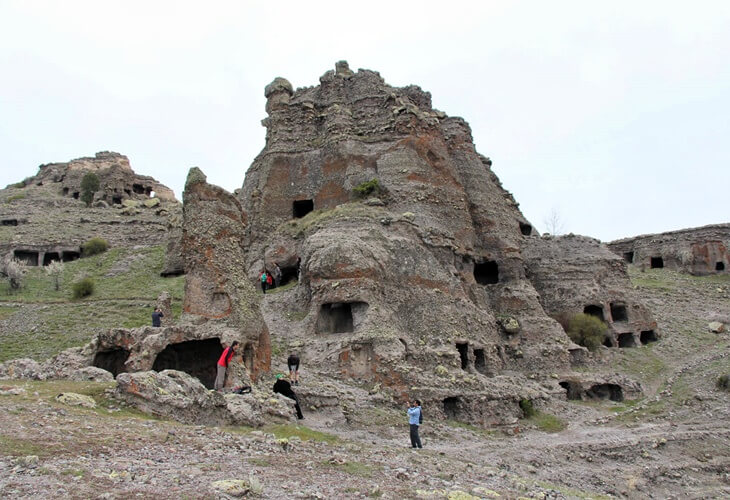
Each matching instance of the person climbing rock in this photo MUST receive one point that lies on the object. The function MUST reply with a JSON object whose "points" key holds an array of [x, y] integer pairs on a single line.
{"points": [[264, 278], [293, 363], [223, 362], [277, 275], [156, 317], [414, 420], [283, 387]]}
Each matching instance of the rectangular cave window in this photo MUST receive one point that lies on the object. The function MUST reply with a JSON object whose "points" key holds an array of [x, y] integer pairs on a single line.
{"points": [[69, 255], [335, 318], [65, 191], [451, 407], [480, 361], [27, 257], [75, 195], [657, 262], [116, 200], [618, 312], [194, 357], [626, 340], [14, 222], [525, 229], [648, 336], [50, 257], [486, 273], [629, 257], [594, 310], [300, 208], [463, 348], [719, 266], [112, 360]]}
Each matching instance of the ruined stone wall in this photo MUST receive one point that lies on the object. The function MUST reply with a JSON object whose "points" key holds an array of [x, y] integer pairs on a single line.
{"points": [[700, 251]]}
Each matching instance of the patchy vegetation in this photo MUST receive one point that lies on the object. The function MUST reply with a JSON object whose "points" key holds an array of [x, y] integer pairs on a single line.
{"points": [[94, 246], [586, 330], [82, 288]]}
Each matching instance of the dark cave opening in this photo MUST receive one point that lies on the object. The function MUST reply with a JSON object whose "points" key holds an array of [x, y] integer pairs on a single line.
{"points": [[50, 257], [116, 200], [618, 312], [629, 257], [10, 222], [657, 262], [594, 310], [626, 340], [112, 360], [300, 208], [525, 229], [648, 336], [572, 389], [463, 348], [27, 257], [719, 266], [195, 357], [486, 273], [335, 318], [70, 255], [480, 361], [605, 391], [451, 407]]}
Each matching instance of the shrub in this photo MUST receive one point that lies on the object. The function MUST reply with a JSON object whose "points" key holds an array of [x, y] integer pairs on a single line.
{"points": [[94, 246], [15, 197], [89, 186], [586, 330], [723, 382], [527, 409], [367, 188], [83, 288], [13, 270]]}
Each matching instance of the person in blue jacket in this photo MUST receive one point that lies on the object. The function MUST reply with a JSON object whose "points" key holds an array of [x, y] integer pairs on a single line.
{"points": [[414, 419]]}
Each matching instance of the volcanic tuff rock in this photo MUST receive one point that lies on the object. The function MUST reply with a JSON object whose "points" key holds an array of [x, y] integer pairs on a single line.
{"points": [[700, 251]]}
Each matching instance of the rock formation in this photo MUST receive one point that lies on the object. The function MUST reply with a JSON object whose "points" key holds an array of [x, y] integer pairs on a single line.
{"points": [[700, 251]]}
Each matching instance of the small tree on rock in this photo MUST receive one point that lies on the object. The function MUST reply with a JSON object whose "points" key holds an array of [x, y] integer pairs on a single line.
{"points": [[55, 270], [89, 186]]}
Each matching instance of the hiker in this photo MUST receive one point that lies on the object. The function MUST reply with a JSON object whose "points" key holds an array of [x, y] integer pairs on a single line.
{"points": [[283, 387], [264, 277], [269, 280], [414, 419], [293, 363], [277, 275], [223, 361], [156, 316]]}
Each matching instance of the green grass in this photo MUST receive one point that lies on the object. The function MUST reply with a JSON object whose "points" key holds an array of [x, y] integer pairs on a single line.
{"points": [[547, 422], [7, 311], [354, 468], [304, 433], [18, 447]]}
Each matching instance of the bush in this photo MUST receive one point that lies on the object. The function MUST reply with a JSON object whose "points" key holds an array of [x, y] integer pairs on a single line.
{"points": [[527, 409], [83, 288], [94, 246], [723, 382], [586, 330], [13, 270], [367, 188], [89, 186]]}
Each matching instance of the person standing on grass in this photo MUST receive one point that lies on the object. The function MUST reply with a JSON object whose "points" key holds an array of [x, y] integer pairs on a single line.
{"points": [[223, 362], [414, 420], [156, 316]]}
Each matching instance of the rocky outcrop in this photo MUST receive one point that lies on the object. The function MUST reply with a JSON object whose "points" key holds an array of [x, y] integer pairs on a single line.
{"points": [[700, 251]]}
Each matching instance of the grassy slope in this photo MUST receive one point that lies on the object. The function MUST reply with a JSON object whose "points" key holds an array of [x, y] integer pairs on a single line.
{"points": [[38, 321]]}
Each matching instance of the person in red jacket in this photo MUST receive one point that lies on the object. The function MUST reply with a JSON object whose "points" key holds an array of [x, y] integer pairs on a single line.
{"points": [[223, 361]]}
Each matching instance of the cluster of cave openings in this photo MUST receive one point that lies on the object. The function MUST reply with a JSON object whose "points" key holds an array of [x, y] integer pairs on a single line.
{"points": [[300, 208], [657, 262], [27, 257], [626, 339], [629, 257], [648, 336], [572, 389], [594, 310], [525, 229], [605, 391], [14, 222], [480, 361], [50, 257], [451, 407], [336, 317], [719, 266], [486, 273], [618, 312], [463, 348], [194, 357], [112, 360], [140, 189]]}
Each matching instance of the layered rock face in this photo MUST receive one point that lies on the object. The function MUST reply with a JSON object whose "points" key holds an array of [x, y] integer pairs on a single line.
{"points": [[700, 251]]}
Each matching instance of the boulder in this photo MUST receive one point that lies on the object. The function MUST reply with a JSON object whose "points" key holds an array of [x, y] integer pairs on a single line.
{"points": [[91, 373], [716, 327], [24, 368], [74, 399]]}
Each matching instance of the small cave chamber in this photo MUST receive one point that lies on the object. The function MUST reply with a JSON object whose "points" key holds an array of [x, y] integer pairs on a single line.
{"points": [[27, 257], [463, 348], [629, 257], [648, 336], [719, 266], [608, 341], [75, 195], [337, 317], [618, 312], [480, 361], [572, 389], [112, 360], [300, 208], [289, 274], [605, 391], [525, 229], [594, 310], [9, 222], [486, 273], [116, 200], [70, 255], [452, 407], [656, 262], [50, 257], [626, 340], [195, 357]]}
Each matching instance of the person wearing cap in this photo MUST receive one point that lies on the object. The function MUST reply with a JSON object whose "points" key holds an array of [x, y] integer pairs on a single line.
{"points": [[283, 387], [223, 362]]}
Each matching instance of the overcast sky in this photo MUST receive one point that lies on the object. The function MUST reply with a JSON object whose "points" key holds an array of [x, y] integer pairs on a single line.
{"points": [[615, 115]]}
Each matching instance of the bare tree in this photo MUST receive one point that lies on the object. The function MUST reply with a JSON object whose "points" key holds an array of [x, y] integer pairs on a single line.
{"points": [[55, 270], [554, 222], [13, 270]]}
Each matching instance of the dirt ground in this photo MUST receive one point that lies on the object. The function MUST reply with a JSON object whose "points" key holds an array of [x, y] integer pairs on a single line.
{"points": [[672, 443]]}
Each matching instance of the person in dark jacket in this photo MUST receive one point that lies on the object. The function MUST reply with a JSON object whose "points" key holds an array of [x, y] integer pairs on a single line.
{"points": [[223, 362], [283, 387], [292, 363], [264, 278], [414, 420], [156, 316]]}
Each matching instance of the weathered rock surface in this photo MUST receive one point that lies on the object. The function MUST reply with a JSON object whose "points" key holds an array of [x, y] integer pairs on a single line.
{"points": [[74, 399], [700, 251]]}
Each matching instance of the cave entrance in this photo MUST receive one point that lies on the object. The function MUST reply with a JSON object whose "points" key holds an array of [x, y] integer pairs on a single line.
{"points": [[75, 195], [608, 341], [572, 389], [50, 257], [594, 310], [138, 188], [626, 340], [657, 262], [69, 255], [65, 191], [486, 273], [27, 257], [525, 229], [112, 360], [719, 266], [618, 312], [480, 361], [14, 222], [648, 336], [463, 348], [606, 391], [300, 208], [451, 407], [194, 357], [289, 274], [116, 200], [629, 257], [248, 356], [335, 318]]}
